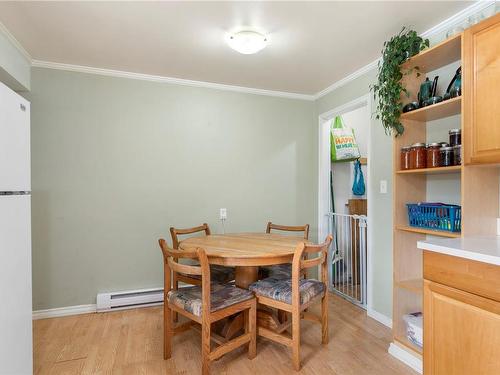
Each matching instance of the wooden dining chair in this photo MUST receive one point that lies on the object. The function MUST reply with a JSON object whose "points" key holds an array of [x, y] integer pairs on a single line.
{"points": [[218, 273], [283, 270], [204, 304], [295, 295]]}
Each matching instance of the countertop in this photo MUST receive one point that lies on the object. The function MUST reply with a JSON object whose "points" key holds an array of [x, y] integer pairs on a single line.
{"points": [[479, 248]]}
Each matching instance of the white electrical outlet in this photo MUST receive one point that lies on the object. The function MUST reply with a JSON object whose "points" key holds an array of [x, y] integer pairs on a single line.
{"points": [[383, 186], [223, 214]]}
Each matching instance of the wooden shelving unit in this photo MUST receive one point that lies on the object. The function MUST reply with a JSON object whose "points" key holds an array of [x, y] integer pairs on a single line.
{"points": [[474, 185], [440, 233], [437, 111], [439, 170], [412, 186]]}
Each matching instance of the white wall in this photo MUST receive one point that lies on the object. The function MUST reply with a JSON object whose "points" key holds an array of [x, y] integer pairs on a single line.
{"points": [[343, 173]]}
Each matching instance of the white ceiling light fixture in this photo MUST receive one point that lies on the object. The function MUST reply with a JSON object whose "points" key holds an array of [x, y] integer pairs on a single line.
{"points": [[247, 42]]}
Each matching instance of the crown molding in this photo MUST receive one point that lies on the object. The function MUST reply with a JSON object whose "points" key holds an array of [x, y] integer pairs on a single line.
{"points": [[15, 42], [344, 81], [458, 18], [171, 80], [447, 24]]}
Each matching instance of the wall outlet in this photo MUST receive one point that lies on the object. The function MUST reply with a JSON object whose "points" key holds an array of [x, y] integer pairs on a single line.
{"points": [[383, 186], [498, 226], [223, 214]]}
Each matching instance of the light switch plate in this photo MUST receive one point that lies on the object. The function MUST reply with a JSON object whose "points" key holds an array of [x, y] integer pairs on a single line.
{"points": [[223, 214], [383, 186]]}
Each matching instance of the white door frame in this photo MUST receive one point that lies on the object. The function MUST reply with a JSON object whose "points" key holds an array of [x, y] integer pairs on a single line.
{"points": [[324, 180]]}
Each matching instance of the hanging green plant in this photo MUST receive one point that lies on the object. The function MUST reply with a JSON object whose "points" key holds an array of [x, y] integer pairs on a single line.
{"points": [[388, 89]]}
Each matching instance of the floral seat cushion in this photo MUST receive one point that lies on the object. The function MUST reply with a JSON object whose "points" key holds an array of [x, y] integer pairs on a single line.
{"points": [[281, 289], [219, 274], [279, 271], [221, 296]]}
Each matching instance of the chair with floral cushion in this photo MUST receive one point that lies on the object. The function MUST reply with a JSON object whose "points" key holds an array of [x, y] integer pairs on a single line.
{"points": [[204, 304], [283, 270], [295, 295]]}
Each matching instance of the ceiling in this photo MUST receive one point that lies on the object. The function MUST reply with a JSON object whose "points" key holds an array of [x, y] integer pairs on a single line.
{"points": [[312, 45]]}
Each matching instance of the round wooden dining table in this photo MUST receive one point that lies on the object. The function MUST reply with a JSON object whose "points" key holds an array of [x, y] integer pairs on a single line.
{"points": [[245, 251]]}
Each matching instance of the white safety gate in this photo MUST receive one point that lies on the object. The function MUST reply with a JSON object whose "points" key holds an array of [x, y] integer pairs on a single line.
{"points": [[347, 257]]}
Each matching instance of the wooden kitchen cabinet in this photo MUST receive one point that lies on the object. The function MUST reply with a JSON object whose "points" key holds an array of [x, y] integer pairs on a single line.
{"points": [[461, 332], [461, 316], [481, 92]]}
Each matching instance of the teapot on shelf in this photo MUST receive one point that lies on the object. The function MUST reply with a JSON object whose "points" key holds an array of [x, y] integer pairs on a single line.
{"points": [[427, 94], [455, 87]]}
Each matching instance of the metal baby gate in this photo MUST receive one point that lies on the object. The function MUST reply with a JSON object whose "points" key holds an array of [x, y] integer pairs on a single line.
{"points": [[347, 257]]}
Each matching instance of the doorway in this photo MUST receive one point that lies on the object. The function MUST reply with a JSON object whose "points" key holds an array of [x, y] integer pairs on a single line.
{"points": [[343, 214]]}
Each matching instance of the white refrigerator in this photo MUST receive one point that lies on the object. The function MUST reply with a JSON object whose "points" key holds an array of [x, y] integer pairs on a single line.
{"points": [[16, 345]]}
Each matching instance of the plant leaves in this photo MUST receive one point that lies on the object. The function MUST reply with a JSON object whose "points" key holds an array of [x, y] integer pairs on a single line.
{"points": [[389, 88]]}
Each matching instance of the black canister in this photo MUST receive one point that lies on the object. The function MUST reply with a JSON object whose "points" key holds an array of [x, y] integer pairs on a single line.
{"points": [[446, 156], [455, 137]]}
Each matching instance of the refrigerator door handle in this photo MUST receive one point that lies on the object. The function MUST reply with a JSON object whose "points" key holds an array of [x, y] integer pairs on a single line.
{"points": [[15, 192]]}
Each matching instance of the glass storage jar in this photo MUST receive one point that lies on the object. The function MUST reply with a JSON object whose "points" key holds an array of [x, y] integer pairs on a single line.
{"points": [[433, 155], [418, 156], [405, 157], [457, 155], [446, 156], [455, 137]]}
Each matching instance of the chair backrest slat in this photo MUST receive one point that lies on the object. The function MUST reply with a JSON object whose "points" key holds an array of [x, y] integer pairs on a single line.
{"points": [[175, 232], [183, 268], [308, 263], [289, 228]]}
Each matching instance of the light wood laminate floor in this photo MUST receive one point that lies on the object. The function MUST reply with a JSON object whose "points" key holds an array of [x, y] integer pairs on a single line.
{"points": [[130, 342]]}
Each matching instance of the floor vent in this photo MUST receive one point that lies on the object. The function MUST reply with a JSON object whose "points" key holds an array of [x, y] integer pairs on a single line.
{"points": [[129, 299]]}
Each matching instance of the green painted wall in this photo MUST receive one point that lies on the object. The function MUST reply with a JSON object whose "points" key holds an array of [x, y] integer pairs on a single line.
{"points": [[15, 69], [380, 166], [115, 162]]}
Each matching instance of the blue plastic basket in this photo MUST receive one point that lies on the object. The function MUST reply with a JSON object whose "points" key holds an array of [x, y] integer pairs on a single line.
{"points": [[437, 216]]}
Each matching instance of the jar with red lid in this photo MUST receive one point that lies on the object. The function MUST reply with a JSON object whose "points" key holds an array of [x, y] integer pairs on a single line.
{"points": [[433, 155], [418, 156], [405, 158]]}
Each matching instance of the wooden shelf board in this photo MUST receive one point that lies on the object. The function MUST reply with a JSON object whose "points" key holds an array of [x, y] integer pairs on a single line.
{"points": [[414, 285], [408, 344], [436, 111], [440, 55], [439, 170], [441, 233]]}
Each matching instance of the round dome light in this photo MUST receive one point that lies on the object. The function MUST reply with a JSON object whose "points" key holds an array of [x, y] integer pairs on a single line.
{"points": [[247, 42]]}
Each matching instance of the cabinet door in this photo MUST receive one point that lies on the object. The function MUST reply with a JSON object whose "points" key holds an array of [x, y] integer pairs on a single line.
{"points": [[461, 332], [481, 92]]}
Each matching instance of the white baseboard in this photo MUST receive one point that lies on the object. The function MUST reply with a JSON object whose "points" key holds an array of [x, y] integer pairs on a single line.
{"points": [[64, 311], [385, 320], [406, 357]]}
